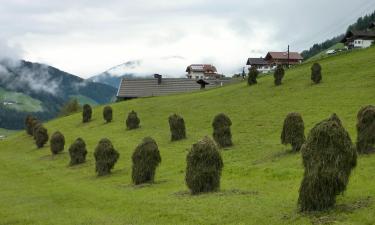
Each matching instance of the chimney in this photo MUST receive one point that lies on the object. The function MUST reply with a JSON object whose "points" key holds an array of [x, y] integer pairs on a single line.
{"points": [[158, 76]]}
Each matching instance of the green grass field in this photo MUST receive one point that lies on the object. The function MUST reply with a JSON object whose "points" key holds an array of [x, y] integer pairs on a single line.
{"points": [[260, 179], [23, 102], [323, 53]]}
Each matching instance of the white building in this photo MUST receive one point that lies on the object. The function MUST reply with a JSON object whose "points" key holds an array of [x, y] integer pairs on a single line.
{"points": [[202, 71], [360, 39]]}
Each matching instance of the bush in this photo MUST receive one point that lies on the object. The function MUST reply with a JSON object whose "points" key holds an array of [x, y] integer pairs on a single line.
{"points": [[107, 114], [222, 133], [366, 129], [328, 158], [177, 127], [72, 106], [105, 156], [204, 165], [132, 122], [146, 158], [293, 131], [41, 136], [279, 75], [86, 113], [253, 74], [316, 73], [77, 152], [30, 121], [57, 142]]}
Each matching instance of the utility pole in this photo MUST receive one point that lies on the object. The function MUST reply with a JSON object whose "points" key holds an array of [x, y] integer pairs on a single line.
{"points": [[288, 56]]}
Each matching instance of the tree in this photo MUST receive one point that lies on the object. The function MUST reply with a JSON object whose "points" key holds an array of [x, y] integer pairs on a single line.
{"points": [[41, 136], [132, 122], [293, 131], [204, 166], [146, 158], [316, 73], [70, 107], [222, 133], [107, 113], [279, 75], [177, 127], [253, 74], [105, 156], [328, 158], [366, 129], [57, 142], [86, 114], [77, 152]]}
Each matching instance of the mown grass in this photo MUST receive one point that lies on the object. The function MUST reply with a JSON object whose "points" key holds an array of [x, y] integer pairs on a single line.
{"points": [[260, 179]]}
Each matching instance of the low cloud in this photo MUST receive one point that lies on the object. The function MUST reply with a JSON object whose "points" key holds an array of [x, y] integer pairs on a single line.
{"points": [[14, 75]]}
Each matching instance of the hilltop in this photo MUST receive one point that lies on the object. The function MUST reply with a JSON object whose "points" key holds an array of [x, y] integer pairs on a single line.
{"points": [[260, 179]]}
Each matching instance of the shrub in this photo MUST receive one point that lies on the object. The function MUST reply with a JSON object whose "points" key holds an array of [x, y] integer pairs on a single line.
{"points": [[316, 73], [204, 165], [70, 107], [279, 75], [29, 123], [222, 133], [57, 142], [86, 113], [77, 152], [132, 122], [107, 113], [177, 127], [293, 131], [366, 129], [328, 158], [41, 136], [253, 74], [105, 156], [146, 158]]}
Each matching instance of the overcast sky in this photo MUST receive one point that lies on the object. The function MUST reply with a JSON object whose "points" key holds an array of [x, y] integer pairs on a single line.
{"points": [[87, 37]]}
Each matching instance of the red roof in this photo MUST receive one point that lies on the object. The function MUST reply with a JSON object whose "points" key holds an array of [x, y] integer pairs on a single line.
{"points": [[283, 55], [207, 68]]}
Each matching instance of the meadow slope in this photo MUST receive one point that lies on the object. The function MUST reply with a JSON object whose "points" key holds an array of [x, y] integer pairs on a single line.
{"points": [[260, 179]]}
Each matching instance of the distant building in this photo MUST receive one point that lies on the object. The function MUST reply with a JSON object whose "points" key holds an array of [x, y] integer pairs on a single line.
{"points": [[359, 39], [135, 88], [202, 71], [260, 63], [283, 58]]}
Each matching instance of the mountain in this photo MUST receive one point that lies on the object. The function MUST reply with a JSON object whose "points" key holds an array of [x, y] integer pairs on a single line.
{"points": [[260, 178], [169, 66], [22, 82], [114, 75]]}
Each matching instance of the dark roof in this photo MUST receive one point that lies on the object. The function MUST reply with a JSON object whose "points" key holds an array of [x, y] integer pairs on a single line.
{"points": [[353, 34], [133, 88], [206, 68], [283, 55], [256, 61]]}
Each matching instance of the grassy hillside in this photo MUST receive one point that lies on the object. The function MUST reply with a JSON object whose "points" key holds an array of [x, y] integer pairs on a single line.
{"points": [[21, 101], [260, 179], [323, 53]]}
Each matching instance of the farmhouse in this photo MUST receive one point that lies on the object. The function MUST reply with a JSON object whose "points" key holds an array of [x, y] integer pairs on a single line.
{"points": [[260, 63], [359, 39], [202, 71], [283, 58], [135, 88]]}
